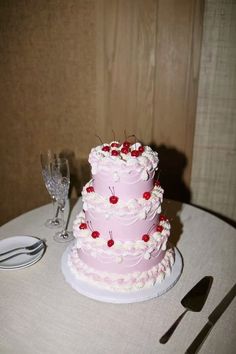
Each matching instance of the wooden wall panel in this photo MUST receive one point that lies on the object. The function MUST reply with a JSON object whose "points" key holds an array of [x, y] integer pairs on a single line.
{"points": [[126, 67], [179, 29]]}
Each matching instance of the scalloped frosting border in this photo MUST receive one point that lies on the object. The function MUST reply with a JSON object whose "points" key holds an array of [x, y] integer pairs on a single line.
{"points": [[119, 282]]}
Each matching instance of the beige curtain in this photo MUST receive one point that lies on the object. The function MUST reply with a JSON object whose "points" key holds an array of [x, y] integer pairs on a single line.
{"points": [[213, 181]]}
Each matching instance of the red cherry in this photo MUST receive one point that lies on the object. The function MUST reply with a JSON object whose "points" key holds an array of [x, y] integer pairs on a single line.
{"points": [[163, 217], [83, 226], [95, 234], [115, 145], [106, 148], [135, 153], [126, 144], [146, 238], [141, 149], [110, 243], [147, 195], [159, 228], [125, 150], [114, 152], [113, 199], [90, 189]]}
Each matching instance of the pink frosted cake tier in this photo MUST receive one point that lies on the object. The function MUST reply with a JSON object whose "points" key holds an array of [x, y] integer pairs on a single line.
{"points": [[121, 238]]}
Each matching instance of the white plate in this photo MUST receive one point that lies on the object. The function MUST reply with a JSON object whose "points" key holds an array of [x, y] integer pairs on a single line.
{"points": [[104, 295], [23, 260]]}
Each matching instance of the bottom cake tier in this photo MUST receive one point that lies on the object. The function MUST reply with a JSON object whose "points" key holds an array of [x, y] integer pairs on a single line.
{"points": [[122, 282]]}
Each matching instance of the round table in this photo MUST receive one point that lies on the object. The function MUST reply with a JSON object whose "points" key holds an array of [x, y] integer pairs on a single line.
{"points": [[40, 313]]}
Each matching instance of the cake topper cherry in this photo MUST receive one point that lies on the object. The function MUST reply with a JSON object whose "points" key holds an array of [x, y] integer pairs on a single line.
{"points": [[146, 236], [90, 189], [125, 150], [106, 148], [135, 153], [146, 195], [141, 149], [162, 217], [110, 242], [115, 152], [114, 144], [94, 234], [159, 228], [83, 226], [126, 144], [113, 199]]}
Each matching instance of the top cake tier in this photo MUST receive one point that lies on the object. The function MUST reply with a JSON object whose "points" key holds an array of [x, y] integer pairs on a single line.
{"points": [[123, 169]]}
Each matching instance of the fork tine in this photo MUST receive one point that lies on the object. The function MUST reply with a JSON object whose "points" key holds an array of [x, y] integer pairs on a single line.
{"points": [[35, 245], [36, 251], [31, 247], [31, 253]]}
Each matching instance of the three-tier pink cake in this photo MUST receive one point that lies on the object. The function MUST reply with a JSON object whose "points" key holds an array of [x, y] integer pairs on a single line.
{"points": [[121, 235]]}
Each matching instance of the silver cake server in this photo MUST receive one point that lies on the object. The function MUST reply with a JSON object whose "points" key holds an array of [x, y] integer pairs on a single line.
{"points": [[194, 300], [212, 319]]}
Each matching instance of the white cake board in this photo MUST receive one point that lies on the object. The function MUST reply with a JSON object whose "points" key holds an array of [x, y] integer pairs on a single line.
{"points": [[104, 295]]}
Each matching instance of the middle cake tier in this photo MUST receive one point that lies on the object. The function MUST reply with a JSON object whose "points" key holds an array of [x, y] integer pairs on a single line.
{"points": [[127, 220]]}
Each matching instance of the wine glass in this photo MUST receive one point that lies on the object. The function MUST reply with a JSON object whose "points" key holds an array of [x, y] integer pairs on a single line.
{"points": [[60, 183], [46, 165]]}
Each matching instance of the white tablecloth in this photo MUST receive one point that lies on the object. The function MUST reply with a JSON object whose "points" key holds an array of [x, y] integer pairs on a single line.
{"points": [[40, 313]]}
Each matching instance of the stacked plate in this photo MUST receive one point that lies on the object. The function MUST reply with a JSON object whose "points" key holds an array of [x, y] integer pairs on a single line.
{"points": [[22, 260]]}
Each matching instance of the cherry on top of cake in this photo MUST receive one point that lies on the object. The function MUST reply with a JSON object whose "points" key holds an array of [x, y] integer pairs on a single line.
{"points": [[124, 155]]}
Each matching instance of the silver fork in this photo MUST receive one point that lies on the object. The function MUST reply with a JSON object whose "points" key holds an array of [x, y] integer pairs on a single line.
{"points": [[26, 248], [31, 253]]}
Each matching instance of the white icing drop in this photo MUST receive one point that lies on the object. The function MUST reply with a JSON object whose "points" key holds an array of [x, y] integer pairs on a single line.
{"points": [[119, 259], [144, 175]]}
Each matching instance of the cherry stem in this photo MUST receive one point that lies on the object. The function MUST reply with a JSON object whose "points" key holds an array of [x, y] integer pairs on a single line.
{"points": [[110, 233], [99, 139], [114, 136], [112, 190], [90, 225]]}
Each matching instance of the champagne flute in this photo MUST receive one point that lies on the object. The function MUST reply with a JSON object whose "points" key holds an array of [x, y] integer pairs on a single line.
{"points": [[60, 174], [46, 165]]}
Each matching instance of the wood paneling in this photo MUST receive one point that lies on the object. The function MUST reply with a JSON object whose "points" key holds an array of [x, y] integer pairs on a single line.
{"points": [[74, 69], [126, 67], [179, 29], [148, 68]]}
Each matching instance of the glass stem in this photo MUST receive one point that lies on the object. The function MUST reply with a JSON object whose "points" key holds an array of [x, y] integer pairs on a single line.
{"points": [[62, 209], [56, 210]]}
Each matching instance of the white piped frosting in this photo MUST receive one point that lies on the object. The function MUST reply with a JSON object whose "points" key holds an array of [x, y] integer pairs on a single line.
{"points": [[139, 207], [121, 239], [101, 160], [119, 282]]}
